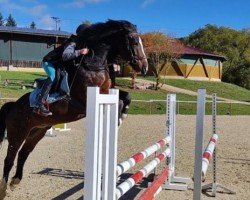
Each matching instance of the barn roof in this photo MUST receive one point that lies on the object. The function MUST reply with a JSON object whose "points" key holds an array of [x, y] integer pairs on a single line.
{"points": [[32, 31], [187, 50]]}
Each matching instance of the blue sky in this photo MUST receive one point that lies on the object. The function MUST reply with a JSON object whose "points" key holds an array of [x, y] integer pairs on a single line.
{"points": [[175, 17]]}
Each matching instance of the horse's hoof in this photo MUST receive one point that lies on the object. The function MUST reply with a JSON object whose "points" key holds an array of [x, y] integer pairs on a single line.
{"points": [[124, 116], [14, 182], [119, 122], [3, 188]]}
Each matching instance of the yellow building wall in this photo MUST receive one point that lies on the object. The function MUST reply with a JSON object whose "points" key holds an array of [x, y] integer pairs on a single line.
{"points": [[186, 71], [197, 71], [190, 71]]}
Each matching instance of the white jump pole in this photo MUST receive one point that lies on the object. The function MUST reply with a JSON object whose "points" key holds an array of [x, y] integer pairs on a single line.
{"points": [[101, 144]]}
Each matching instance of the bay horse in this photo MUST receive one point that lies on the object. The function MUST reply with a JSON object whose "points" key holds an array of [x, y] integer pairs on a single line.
{"points": [[106, 41]]}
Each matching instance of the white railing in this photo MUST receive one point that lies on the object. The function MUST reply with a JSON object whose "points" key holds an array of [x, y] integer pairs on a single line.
{"points": [[178, 103]]}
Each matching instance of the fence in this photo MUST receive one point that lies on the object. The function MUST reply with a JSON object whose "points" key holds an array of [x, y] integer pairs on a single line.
{"points": [[187, 107], [21, 63], [182, 107]]}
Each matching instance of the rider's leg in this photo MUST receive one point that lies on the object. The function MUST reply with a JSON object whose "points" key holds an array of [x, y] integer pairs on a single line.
{"points": [[40, 108]]}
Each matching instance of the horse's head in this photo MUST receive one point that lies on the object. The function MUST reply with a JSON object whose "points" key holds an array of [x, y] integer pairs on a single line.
{"points": [[123, 40], [138, 59]]}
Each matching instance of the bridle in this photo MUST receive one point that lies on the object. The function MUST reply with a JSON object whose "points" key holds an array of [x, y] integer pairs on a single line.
{"points": [[131, 40]]}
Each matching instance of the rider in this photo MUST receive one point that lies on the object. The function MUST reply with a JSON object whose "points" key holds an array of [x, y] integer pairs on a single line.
{"points": [[51, 62]]}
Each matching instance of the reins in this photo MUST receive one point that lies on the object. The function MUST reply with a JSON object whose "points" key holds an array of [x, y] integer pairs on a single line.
{"points": [[78, 65], [76, 72]]}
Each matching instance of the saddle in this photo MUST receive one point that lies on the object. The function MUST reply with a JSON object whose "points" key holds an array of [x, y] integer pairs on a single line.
{"points": [[60, 89]]}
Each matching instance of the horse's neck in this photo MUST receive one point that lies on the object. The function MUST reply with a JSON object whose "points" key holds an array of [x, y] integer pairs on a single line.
{"points": [[96, 59]]}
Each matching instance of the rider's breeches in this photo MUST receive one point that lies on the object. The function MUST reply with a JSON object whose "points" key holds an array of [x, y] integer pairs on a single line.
{"points": [[50, 70]]}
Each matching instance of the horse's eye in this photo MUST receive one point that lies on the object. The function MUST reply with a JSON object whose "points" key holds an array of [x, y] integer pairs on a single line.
{"points": [[134, 41]]}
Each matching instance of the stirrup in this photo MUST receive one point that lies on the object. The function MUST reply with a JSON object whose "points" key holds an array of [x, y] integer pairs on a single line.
{"points": [[38, 111]]}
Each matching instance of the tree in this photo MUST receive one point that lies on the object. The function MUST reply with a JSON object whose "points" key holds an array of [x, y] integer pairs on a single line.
{"points": [[233, 44], [161, 50], [11, 21], [33, 25], [1, 20]]}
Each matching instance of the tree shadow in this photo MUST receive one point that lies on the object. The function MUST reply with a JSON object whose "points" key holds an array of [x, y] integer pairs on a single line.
{"points": [[70, 192], [68, 174], [239, 161]]}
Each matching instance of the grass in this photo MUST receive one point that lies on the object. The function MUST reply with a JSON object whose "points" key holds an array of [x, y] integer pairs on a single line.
{"points": [[183, 108], [225, 90], [18, 83], [187, 108], [146, 95], [18, 79]]}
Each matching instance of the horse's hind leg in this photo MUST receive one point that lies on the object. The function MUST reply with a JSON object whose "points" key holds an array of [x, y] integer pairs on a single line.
{"points": [[13, 147], [34, 137], [8, 163]]}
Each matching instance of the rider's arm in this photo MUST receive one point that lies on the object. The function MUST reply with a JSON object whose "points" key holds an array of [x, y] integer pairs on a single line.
{"points": [[70, 53]]}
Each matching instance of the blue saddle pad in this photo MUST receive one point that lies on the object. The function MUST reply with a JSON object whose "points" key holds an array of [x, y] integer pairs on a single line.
{"points": [[50, 98]]}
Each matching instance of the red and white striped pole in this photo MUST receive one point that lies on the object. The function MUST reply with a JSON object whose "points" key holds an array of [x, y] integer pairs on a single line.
{"points": [[138, 176], [208, 154], [153, 189], [136, 158]]}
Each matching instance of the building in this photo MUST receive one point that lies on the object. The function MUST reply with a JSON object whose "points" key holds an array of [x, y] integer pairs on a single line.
{"points": [[25, 47], [195, 64]]}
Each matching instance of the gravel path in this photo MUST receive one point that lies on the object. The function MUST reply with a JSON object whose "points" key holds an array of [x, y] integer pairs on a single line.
{"points": [[55, 168]]}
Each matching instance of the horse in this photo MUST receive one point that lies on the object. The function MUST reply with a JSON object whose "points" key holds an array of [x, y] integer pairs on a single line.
{"points": [[107, 41]]}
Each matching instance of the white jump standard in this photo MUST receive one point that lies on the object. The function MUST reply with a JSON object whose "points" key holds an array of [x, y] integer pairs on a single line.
{"points": [[101, 144], [173, 182], [101, 152], [202, 159]]}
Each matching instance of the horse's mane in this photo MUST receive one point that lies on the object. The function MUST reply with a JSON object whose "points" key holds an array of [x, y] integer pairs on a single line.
{"points": [[100, 30], [94, 37]]}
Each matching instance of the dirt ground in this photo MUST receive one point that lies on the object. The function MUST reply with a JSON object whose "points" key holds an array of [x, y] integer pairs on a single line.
{"points": [[55, 169]]}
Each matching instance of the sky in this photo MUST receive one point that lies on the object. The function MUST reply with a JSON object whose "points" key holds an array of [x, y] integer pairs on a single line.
{"points": [[178, 18]]}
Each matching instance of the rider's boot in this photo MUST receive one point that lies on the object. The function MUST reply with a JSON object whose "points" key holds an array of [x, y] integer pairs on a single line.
{"points": [[40, 108]]}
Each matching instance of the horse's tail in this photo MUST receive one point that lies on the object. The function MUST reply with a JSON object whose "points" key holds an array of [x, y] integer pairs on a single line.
{"points": [[3, 114]]}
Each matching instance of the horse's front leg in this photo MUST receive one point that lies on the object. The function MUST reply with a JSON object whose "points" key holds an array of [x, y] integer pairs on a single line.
{"points": [[35, 136], [126, 99]]}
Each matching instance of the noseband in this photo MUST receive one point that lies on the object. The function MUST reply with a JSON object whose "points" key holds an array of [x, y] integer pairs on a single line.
{"points": [[132, 41]]}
